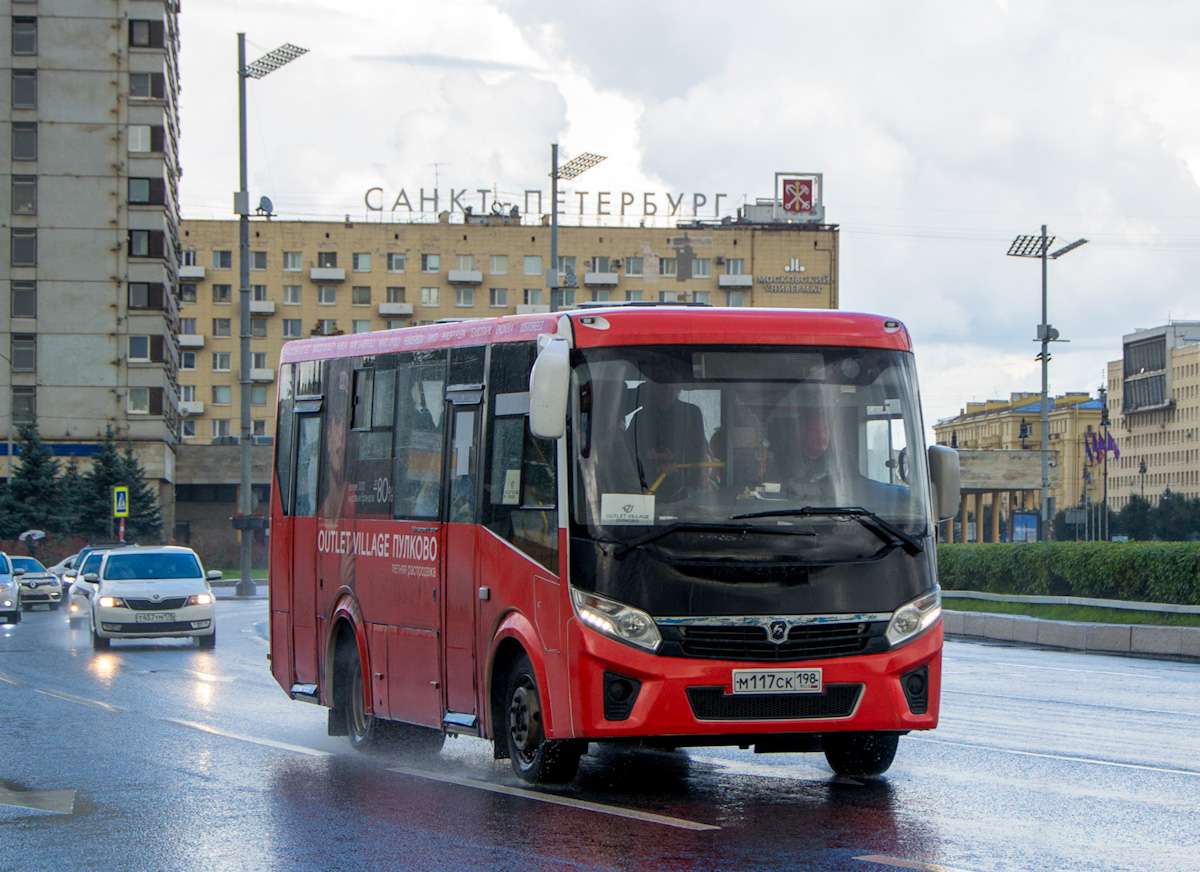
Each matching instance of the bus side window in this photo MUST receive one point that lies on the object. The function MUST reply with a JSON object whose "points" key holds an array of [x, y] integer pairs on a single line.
{"points": [[420, 407], [308, 441], [283, 438]]}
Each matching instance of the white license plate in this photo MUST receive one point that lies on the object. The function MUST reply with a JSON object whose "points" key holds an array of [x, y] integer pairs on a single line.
{"points": [[155, 618], [777, 681]]}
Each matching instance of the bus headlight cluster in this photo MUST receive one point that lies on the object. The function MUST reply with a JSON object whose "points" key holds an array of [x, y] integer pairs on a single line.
{"points": [[914, 618], [617, 620]]}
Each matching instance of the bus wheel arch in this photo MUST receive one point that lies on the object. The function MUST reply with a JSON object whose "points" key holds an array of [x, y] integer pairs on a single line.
{"points": [[534, 757]]}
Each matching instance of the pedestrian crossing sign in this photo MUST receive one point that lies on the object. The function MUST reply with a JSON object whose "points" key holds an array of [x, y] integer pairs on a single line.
{"points": [[120, 502]]}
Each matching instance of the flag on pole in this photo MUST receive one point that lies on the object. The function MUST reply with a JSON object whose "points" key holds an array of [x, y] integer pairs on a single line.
{"points": [[1087, 447], [1112, 446]]}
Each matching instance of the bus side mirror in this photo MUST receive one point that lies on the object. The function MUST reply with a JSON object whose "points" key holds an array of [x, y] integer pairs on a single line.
{"points": [[549, 386], [944, 474]]}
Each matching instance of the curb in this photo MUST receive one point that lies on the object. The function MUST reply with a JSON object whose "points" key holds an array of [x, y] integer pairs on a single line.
{"points": [[1175, 643]]}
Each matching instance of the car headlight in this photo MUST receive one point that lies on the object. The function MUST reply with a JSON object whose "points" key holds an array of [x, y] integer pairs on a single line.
{"points": [[111, 602], [914, 618], [616, 620], [7, 583], [200, 599]]}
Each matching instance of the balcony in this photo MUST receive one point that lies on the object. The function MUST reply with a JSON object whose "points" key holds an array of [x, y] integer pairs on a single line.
{"points": [[262, 375], [191, 340], [191, 273], [326, 274], [735, 281], [188, 408], [600, 279], [389, 310], [465, 276], [262, 307]]}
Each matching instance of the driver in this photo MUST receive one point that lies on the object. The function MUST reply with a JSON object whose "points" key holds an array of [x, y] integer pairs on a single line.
{"points": [[670, 442]]}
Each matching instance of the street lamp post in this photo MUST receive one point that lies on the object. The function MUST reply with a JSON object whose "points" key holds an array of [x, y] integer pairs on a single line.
{"points": [[246, 522], [572, 168], [9, 468], [1039, 247]]}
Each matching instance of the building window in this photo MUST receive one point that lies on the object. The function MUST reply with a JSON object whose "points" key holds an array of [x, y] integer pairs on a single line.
{"points": [[220, 428], [24, 195], [145, 34], [145, 295], [498, 298], [292, 261], [464, 261], [24, 246], [702, 297], [533, 297], [291, 295], [395, 295], [258, 328], [498, 265], [187, 360], [24, 299], [601, 264], [23, 352], [634, 266], [292, 328], [533, 264], [258, 360], [668, 296], [145, 243], [327, 260], [396, 324], [24, 36], [360, 295], [633, 296], [429, 296], [258, 427], [258, 293], [146, 85], [701, 268], [667, 266], [24, 89], [464, 297], [258, 395], [222, 259], [735, 298], [565, 296], [145, 138], [222, 293], [222, 361], [189, 257], [221, 327], [566, 264], [430, 263], [187, 326], [147, 191], [327, 295], [326, 327], [395, 262], [600, 296], [187, 429], [258, 260], [24, 404], [222, 395], [735, 266], [139, 401], [360, 261], [187, 393], [360, 326], [24, 140], [139, 349]]}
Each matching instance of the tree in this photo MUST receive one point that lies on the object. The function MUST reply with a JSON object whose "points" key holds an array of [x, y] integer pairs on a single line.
{"points": [[33, 500], [96, 521], [71, 493], [1134, 520], [145, 515]]}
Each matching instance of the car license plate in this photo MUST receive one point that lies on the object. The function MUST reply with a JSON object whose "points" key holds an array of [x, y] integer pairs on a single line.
{"points": [[155, 618], [777, 681]]}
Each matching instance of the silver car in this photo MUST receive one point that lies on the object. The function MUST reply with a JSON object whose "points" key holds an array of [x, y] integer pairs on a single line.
{"points": [[10, 592], [38, 584]]}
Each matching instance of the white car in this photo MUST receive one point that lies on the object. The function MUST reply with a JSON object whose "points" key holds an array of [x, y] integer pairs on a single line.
{"points": [[10, 592], [149, 592], [38, 585]]}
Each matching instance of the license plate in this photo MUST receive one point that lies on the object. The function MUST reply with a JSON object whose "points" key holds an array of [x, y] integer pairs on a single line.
{"points": [[777, 681], [155, 618]]}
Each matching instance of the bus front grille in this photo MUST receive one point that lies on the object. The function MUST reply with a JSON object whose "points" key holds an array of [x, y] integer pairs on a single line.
{"points": [[803, 642], [715, 704]]}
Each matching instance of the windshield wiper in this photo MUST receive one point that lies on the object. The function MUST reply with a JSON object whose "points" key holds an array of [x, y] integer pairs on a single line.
{"points": [[654, 535], [885, 531]]}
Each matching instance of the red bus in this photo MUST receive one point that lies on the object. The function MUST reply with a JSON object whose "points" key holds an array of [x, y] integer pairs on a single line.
{"points": [[679, 526]]}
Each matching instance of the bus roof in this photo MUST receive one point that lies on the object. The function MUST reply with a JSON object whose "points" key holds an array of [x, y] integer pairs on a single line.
{"points": [[625, 325]]}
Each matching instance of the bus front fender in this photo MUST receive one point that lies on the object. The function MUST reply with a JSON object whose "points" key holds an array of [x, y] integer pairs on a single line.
{"points": [[516, 629]]}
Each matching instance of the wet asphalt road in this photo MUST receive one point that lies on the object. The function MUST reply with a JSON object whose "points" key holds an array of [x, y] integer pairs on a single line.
{"points": [[159, 756]]}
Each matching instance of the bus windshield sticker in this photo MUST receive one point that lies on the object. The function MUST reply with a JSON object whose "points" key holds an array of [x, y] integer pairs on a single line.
{"points": [[512, 487], [627, 509]]}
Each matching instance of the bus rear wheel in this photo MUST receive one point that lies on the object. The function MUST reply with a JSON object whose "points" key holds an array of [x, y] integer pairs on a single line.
{"points": [[860, 755], [534, 757], [369, 733]]}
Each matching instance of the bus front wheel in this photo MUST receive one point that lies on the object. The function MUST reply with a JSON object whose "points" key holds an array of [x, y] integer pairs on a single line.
{"points": [[860, 755], [534, 757]]}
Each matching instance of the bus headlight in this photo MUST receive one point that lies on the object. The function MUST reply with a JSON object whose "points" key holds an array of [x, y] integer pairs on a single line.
{"points": [[616, 620], [914, 618]]}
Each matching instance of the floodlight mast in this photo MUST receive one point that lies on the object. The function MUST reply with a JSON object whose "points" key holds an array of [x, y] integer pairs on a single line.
{"points": [[246, 522], [574, 167], [1038, 246]]}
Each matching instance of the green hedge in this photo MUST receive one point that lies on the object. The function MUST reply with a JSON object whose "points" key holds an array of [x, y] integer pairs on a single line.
{"points": [[1158, 572]]}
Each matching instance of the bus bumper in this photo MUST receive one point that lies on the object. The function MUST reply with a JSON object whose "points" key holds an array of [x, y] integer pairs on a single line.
{"points": [[624, 692]]}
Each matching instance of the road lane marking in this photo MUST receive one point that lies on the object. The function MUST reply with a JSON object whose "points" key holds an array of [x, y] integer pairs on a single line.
{"points": [[1069, 703], [81, 700], [1142, 767], [56, 801], [907, 864], [269, 743], [601, 808], [15, 681]]}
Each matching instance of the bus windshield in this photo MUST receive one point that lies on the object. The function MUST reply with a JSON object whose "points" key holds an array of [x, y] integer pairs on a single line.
{"points": [[709, 440]]}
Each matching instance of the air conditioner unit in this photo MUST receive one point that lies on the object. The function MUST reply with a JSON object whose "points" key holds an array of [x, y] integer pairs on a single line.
{"points": [[720, 261], [617, 264]]}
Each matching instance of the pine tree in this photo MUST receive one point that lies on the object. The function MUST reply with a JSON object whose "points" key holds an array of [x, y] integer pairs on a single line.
{"points": [[71, 493], [144, 524], [96, 521], [34, 502]]}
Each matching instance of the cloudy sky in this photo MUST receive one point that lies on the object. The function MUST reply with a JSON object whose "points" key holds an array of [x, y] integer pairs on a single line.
{"points": [[943, 128]]}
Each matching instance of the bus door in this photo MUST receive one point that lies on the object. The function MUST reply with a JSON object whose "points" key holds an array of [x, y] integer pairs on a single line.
{"points": [[303, 601], [460, 547]]}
